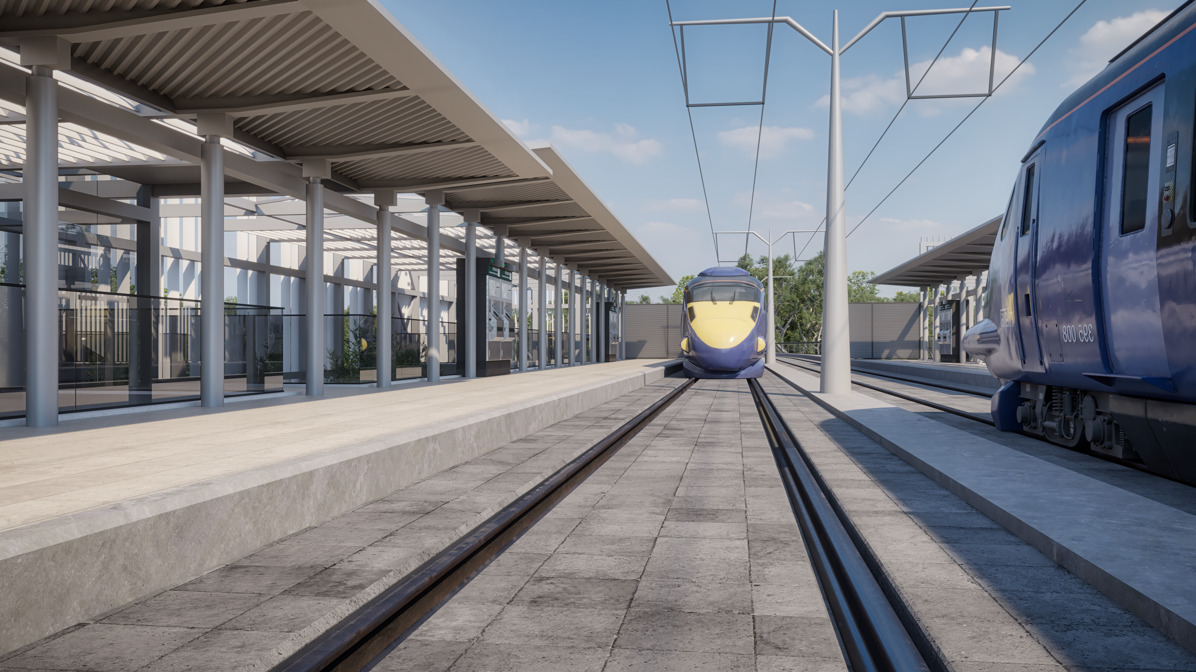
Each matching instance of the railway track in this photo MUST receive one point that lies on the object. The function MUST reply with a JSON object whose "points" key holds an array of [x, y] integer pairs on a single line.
{"points": [[872, 635], [372, 632], [987, 420]]}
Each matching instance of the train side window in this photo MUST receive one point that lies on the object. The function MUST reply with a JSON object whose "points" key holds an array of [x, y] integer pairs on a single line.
{"points": [[1008, 212], [1135, 179], [1028, 200]]}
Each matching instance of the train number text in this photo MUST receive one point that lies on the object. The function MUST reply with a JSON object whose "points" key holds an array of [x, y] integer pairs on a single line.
{"points": [[1078, 333]]}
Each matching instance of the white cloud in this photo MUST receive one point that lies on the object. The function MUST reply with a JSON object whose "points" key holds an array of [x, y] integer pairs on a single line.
{"points": [[893, 224], [965, 73], [772, 139], [1102, 42], [520, 128], [678, 205], [623, 143]]}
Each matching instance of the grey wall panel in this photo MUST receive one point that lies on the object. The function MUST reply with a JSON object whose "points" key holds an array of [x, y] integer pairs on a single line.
{"points": [[653, 331], [895, 330], [859, 317]]}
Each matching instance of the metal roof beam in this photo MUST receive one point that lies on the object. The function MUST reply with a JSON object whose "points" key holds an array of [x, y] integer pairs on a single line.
{"points": [[417, 186], [83, 27], [524, 206], [565, 235], [256, 106], [541, 222], [361, 152]]}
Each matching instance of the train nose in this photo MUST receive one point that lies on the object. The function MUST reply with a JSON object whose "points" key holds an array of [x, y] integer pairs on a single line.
{"points": [[982, 340]]}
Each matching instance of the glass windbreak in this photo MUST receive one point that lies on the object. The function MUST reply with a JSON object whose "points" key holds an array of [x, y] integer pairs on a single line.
{"points": [[351, 349], [1135, 179], [719, 292]]}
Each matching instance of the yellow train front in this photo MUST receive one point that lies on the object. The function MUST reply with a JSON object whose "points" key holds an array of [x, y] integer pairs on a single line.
{"points": [[724, 328]]}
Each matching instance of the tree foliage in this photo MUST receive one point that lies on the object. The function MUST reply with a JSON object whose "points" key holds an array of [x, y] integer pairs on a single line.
{"points": [[906, 297], [798, 297], [678, 292]]}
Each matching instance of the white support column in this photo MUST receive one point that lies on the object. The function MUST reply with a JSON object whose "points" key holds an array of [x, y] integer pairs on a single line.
{"points": [[472, 217], [600, 311], [500, 249], [314, 287], [542, 314], [586, 357], [836, 335], [434, 199], [40, 230], [385, 367], [575, 314], [523, 330], [211, 287], [924, 345], [556, 319], [622, 326]]}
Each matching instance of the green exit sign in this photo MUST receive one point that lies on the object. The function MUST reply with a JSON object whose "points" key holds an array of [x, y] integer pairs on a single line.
{"points": [[496, 272]]}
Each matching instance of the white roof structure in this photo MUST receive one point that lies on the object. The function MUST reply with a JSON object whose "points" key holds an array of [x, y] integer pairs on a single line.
{"points": [[302, 81]]}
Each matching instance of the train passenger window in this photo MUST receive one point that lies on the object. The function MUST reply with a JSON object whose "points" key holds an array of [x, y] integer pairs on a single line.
{"points": [[1136, 176], [718, 292], [1008, 212], [1028, 200]]}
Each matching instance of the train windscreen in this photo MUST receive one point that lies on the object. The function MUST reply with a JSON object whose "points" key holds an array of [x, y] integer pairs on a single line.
{"points": [[719, 292]]}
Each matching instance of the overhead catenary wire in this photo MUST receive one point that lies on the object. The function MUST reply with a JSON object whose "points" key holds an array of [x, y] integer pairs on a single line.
{"points": [[969, 116], [760, 130], [693, 133]]}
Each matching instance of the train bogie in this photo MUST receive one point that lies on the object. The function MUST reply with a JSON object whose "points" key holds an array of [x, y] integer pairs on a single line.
{"points": [[1091, 299]]}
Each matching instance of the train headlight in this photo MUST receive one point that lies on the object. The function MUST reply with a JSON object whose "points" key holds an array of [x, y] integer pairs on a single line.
{"points": [[685, 345], [761, 344]]}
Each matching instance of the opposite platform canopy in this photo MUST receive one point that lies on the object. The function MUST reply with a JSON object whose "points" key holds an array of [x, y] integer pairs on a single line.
{"points": [[964, 255], [336, 83]]}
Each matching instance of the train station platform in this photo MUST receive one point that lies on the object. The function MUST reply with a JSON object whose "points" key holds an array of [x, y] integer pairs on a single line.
{"points": [[1130, 535], [970, 377], [99, 512]]}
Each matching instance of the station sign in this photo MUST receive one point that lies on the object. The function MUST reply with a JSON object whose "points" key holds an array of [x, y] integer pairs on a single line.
{"points": [[497, 272]]}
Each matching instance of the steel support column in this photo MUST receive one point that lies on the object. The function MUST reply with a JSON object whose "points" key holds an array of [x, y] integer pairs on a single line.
{"points": [[836, 335], [434, 199], [211, 286], [314, 288], [384, 324], [600, 311], [585, 319], [542, 314], [40, 239], [524, 336], [622, 330], [472, 217], [556, 319]]}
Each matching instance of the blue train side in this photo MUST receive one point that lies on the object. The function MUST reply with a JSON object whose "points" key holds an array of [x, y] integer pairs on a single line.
{"points": [[724, 323], [1091, 302]]}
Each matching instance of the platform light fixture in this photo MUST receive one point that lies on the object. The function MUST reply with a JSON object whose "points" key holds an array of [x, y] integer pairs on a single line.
{"points": [[835, 377]]}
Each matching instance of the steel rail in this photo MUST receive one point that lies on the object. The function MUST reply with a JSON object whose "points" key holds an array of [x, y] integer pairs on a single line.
{"points": [[870, 632], [909, 381], [373, 631]]}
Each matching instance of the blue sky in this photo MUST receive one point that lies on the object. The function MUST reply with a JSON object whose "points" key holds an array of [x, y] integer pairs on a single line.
{"points": [[600, 81]]}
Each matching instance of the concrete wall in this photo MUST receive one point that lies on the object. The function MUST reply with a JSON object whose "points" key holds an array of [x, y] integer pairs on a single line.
{"points": [[884, 330], [653, 330]]}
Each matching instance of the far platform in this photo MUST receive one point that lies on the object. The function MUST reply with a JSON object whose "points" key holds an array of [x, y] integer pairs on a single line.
{"points": [[97, 512], [974, 377]]}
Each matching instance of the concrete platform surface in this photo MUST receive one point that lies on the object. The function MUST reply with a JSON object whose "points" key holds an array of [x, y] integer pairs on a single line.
{"points": [[103, 511], [680, 553], [975, 377], [1138, 551]]}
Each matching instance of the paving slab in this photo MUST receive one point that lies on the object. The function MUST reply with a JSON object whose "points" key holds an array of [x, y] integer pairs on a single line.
{"points": [[256, 610], [984, 597], [648, 574]]}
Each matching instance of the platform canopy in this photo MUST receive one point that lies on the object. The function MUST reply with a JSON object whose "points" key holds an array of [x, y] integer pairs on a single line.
{"points": [[963, 255], [300, 82]]}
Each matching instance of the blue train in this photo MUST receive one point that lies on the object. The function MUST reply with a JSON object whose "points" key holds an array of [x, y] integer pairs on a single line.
{"points": [[724, 325], [1091, 301]]}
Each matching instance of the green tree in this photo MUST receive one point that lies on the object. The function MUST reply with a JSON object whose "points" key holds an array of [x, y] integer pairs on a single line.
{"points": [[860, 290], [906, 297], [798, 296], [678, 292], [644, 298]]}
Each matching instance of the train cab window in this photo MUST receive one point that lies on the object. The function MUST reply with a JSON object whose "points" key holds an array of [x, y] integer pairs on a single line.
{"points": [[718, 292], [1028, 200], [1135, 180]]}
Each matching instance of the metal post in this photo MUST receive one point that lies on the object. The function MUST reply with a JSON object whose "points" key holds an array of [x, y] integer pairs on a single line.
{"points": [[211, 293], [40, 233], [622, 328], [587, 356], [500, 251], [314, 287], [471, 293], [600, 311], [384, 323], [523, 330], [434, 199], [836, 337], [574, 319], [770, 357], [542, 310], [556, 320]]}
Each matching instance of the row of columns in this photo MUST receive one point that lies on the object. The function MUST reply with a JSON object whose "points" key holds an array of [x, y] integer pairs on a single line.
{"points": [[40, 242]]}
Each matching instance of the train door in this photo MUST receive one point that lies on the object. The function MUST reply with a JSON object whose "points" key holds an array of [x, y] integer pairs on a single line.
{"points": [[1130, 287], [1026, 256]]}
